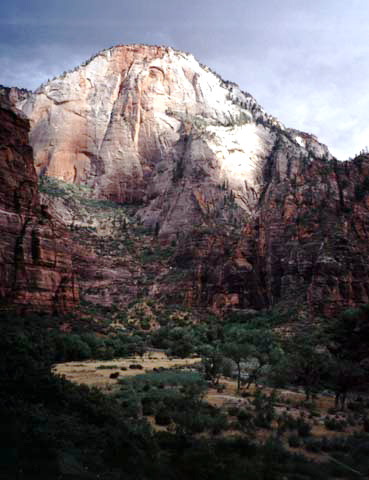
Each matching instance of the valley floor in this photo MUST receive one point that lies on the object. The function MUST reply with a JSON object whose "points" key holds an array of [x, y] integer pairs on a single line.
{"points": [[322, 422]]}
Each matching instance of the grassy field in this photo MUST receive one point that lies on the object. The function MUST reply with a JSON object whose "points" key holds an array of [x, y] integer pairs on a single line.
{"points": [[96, 373]]}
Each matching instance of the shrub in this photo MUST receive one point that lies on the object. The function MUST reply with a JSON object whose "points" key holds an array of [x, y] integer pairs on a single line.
{"points": [[366, 424], [227, 367], [262, 420], [294, 441], [355, 406], [334, 424], [147, 407], [106, 367], [288, 422], [218, 423], [303, 428], [312, 445], [233, 411], [162, 418], [244, 416], [135, 366]]}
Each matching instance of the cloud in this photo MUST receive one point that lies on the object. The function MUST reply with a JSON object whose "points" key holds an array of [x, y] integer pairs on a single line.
{"points": [[305, 62]]}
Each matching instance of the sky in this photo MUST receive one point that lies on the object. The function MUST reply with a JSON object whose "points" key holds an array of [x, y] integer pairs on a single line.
{"points": [[305, 61]]}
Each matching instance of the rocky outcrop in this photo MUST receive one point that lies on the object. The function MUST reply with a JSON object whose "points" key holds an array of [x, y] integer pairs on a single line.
{"points": [[311, 233], [35, 260], [257, 214], [306, 246]]}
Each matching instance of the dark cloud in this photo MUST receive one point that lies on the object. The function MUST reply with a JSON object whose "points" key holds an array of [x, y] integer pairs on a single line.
{"points": [[305, 62]]}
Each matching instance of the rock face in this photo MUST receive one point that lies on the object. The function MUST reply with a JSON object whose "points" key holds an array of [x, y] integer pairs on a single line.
{"points": [[258, 214], [35, 260], [151, 125], [312, 233], [306, 246]]}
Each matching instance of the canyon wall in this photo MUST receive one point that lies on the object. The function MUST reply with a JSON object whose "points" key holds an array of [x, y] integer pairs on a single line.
{"points": [[257, 214], [35, 249]]}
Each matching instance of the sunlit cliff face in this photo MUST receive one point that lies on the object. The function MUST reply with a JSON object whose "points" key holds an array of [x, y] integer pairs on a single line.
{"points": [[241, 151], [110, 121], [151, 125]]}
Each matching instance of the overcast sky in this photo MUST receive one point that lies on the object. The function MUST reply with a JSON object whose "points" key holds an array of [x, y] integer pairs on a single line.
{"points": [[305, 61]]}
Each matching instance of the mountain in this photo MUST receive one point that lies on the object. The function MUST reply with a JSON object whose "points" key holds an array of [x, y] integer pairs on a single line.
{"points": [[179, 188], [35, 263]]}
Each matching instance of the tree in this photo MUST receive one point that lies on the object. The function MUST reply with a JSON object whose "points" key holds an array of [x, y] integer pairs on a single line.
{"points": [[237, 352], [343, 377], [253, 344], [348, 345], [264, 351], [304, 363], [212, 360]]}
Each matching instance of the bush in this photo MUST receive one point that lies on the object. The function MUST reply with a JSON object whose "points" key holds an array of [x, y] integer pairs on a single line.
{"points": [[334, 424], [136, 366], [262, 420], [218, 423], [356, 406], [227, 367], [244, 416], [71, 347], [106, 367], [366, 424], [312, 445], [192, 382], [303, 428], [233, 411], [162, 418], [294, 441], [287, 422], [147, 407]]}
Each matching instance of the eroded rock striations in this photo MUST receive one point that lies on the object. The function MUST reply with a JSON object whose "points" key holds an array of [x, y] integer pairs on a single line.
{"points": [[151, 125], [257, 213], [306, 245], [35, 259]]}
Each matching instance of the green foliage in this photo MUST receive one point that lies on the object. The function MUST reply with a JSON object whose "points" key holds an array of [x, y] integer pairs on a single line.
{"points": [[58, 188], [294, 441], [252, 342], [162, 418], [312, 445], [174, 397], [303, 427], [50, 186], [180, 337], [302, 363], [149, 255], [107, 367], [70, 347], [51, 427], [212, 361], [335, 424], [348, 344], [170, 378]]}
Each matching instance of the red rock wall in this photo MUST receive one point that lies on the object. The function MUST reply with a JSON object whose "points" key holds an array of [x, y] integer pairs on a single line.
{"points": [[306, 247], [35, 250]]}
